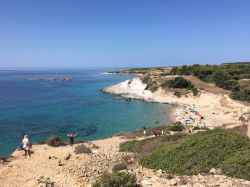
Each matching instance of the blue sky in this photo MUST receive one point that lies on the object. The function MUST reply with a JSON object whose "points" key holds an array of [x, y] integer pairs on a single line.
{"points": [[122, 33]]}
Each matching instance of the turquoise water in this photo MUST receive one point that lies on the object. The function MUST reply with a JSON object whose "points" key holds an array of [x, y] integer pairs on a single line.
{"points": [[42, 108]]}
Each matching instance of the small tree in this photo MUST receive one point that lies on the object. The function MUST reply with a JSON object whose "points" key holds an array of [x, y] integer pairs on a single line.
{"points": [[231, 85], [195, 91]]}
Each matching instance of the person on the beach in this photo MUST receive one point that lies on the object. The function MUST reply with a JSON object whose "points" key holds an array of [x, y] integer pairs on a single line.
{"points": [[144, 131], [189, 131], [26, 145], [155, 132], [71, 137], [158, 132]]}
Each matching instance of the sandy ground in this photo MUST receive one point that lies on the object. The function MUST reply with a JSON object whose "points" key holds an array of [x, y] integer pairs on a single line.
{"points": [[21, 172], [26, 172], [217, 109]]}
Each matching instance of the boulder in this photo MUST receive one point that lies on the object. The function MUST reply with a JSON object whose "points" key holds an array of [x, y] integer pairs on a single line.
{"points": [[172, 182], [146, 183]]}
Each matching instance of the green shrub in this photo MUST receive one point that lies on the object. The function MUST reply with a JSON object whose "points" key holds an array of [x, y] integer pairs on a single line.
{"points": [[176, 127], [220, 77], [243, 95], [238, 165], [55, 141], [152, 86], [145, 79], [178, 82], [128, 146], [226, 76], [177, 94], [195, 91], [79, 149], [231, 85], [198, 153], [119, 167], [200, 128], [117, 179], [150, 144]]}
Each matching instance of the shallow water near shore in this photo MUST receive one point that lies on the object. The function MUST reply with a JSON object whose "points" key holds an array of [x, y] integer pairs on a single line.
{"points": [[43, 107]]}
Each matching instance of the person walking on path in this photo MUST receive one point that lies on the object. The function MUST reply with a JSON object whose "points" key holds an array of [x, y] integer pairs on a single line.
{"points": [[26, 146]]}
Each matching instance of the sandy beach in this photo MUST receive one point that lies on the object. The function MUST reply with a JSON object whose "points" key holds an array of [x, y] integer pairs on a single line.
{"points": [[205, 110]]}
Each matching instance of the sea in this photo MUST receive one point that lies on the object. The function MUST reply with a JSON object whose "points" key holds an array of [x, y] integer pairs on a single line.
{"points": [[32, 104]]}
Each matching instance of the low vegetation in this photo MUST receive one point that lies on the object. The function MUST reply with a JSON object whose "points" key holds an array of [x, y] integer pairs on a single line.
{"points": [[238, 166], [243, 95], [117, 179], [119, 167], [202, 151], [178, 82], [55, 141], [148, 145], [176, 127], [181, 83], [151, 85], [80, 149], [227, 76]]}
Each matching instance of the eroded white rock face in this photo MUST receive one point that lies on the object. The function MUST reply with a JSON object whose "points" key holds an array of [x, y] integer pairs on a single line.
{"points": [[130, 89]]}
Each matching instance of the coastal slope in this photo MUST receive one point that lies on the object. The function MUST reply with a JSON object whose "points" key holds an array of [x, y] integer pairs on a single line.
{"points": [[218, 109]]}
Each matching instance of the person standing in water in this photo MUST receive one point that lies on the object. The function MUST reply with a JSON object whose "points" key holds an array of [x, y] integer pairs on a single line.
{"points": [[26, 145], [71, 137]]}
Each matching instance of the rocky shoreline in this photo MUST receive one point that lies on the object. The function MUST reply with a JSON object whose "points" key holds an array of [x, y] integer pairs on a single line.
{"points": [[218, 110]]}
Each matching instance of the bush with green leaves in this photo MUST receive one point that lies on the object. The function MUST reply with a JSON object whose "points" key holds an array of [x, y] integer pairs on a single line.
{"points": [[119, 167], [243, 95], [177, 94], [80, 149], [145, 79], [117, 179], [238, 166], [176, 127], [178, 82], [226, 76], [220, 77], [195, 91], [55, 141], [152, 86], [231, 85], [148, 145], [202, 151]]}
